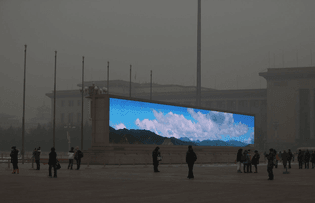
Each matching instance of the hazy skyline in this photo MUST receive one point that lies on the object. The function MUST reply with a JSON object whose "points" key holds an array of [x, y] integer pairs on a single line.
{"points": [[151, 35]]}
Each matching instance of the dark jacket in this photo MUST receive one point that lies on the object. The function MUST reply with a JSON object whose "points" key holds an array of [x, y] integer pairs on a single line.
{"points": [[290, 156], [78, 155], [307, 156], [52, 158], [313, 157], [155, 154], [301, 156], [270, 157], [255, 159], [37, 154], [239, 156], [191, 156], [14, 156], [285, 157]]}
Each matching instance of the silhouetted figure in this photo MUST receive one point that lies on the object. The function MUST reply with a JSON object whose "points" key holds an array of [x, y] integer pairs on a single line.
{"points": [[270, 157], [307, 157], [249, 163], [14, 159], [71, 156], [156, 156], [34, 153], [245, 162], [290, 157], [78, 156], [285, 157], [191, 157], [37, 158], [255, 160], [52, 162], [276, 158], [313, 159], [239, 160], [280, 156], [300, 159]]}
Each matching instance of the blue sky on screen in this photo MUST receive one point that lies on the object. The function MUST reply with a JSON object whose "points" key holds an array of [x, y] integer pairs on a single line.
{"points": [[175, 121]]}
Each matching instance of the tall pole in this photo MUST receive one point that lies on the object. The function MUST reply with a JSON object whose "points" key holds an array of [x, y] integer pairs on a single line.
{"points": [[23, 117], [107, 77], [199, 55], [151, 85], [82, 103], [311, 58], [130, 82], [54, 121]]}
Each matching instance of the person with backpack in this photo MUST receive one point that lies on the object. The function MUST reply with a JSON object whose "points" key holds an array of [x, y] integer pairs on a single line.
{"points": [[52, 162], [155, 156], [78, 156], [255, 160], [14, 159], [239, 160], [290, 157], [307, 157], [71, 156], [37, 158], [191, 157]]}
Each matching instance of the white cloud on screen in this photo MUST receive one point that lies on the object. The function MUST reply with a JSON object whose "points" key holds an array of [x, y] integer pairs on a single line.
{"points": [[119, 126], [207, 126]]}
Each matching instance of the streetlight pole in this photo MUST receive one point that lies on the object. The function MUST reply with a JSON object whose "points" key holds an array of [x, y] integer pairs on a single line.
{"points": [[54, 120], [23, 118], [199, 55], [82, 103]]}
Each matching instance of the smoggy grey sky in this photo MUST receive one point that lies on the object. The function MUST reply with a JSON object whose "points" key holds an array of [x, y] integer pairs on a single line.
{"points": [[157, 35]]}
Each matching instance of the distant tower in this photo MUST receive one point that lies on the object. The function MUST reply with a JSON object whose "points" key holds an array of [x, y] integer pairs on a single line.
{"points": [[198, 99]]}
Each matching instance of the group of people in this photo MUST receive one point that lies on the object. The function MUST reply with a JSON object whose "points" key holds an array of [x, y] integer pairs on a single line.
{"points": [[247, 160], [52, 162], [191, 157], [306, 157]]}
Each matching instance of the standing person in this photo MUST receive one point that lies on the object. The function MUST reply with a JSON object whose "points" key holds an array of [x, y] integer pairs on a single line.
{"points": [[290, 156], [249, 164], [191, 157], [255, 160], [285, 157], [78, 156], [37, 158], [313, 159], [239, 160], [71, 156], [270, 157], [300, 159], [155, 155], [34, 153], [276, 157], [245, 163], [52, 162], [307, 157], [14, 159]]}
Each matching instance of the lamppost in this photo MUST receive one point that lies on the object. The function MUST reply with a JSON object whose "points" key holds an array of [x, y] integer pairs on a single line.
{"points": [[68, 136]]}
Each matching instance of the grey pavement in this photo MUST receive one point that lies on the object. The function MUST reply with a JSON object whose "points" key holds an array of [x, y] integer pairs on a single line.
{"points": [[128, 183]]}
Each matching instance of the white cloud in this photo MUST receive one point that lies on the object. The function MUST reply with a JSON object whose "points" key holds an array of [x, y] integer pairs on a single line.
{"points": [[207, 126], [119, 126]]}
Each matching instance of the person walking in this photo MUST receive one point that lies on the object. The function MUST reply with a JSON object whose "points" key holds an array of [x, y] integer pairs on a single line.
{"points": [[52, 162], [14, 159], [156, 158], [191, 157], [78, 156], [270, 157], [307, 157], [285, 157], [300, 159], [313, 159], [255, 160], [37, 158], [239, 160], [290, 157], [71, 156], [245, 162]]}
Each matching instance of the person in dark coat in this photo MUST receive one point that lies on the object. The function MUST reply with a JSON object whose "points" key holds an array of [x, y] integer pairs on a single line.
{"points": [[78, 156], [255, 160], [14, 159], [307, 157], [270, 157], [249, 163], [239, 160], [290, 157], [191, 157], [300, 159], [37, 158], [285, 157], [276, 155], [313, 159], [245, 162], [155, 155], [52, 162]]}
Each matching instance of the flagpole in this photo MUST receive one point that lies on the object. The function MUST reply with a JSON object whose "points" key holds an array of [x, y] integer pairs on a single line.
{"points": [[23, 118], [82, 105], [54, 120]]}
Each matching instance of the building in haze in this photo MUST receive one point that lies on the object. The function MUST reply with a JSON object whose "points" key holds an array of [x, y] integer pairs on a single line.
{"points": [[284, 111]]}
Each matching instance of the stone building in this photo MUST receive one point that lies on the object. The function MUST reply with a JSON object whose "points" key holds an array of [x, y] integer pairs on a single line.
{"points": [[284, 111]]}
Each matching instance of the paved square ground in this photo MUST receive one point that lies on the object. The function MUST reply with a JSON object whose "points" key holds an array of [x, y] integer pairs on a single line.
{"points": [[212, 183]]}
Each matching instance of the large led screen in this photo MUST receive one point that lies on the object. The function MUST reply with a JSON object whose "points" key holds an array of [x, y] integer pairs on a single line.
{"points": [[152, 123]]}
